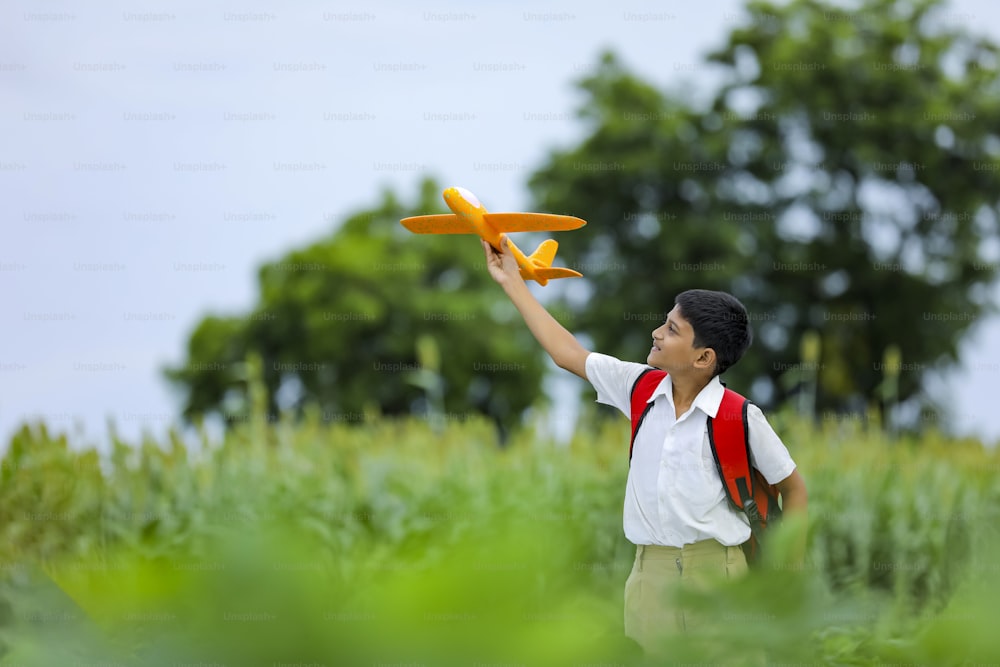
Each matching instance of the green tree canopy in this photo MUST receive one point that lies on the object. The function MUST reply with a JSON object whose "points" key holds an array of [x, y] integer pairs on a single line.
{"points": [[369, 319], [844, 178]]}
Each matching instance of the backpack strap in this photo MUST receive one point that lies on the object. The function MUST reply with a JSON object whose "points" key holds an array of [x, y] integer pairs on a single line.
{"points": [[642, 389], [729, 435]]}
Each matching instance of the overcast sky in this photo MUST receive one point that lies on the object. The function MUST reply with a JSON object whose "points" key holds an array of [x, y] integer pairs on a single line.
{"points": [[154, 154]]}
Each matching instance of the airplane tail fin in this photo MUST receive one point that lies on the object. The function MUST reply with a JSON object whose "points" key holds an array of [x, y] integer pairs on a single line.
{"points": [[541, 260], [543, 256]]}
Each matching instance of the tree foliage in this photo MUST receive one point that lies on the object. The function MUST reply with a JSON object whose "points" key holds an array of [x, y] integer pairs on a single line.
{"points": [[370, 320], [843, 178]]}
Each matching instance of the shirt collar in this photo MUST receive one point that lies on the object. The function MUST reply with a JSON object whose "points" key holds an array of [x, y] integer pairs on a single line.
{"points": [[708, 399]]}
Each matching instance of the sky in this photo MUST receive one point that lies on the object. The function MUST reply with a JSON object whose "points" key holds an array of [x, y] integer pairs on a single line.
{"points": [[153, 155]]}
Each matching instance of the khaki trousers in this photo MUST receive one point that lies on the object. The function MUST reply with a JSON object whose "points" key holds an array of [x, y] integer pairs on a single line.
{"points": [[658, 573]]}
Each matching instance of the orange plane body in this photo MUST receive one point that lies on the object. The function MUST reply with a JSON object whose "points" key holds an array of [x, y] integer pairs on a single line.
{"points": [[471, 217]]}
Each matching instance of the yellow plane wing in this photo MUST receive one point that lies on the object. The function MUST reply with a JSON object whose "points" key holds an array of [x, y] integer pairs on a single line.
{"points": [[446, 223], [532, 222], [449, 223]]}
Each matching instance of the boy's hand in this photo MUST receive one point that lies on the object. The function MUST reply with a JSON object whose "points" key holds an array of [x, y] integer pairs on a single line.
{"points": [[502, 266], [560, 344]]}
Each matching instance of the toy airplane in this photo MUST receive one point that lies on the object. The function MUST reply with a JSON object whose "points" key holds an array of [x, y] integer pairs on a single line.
{"points": [[471, 217]]}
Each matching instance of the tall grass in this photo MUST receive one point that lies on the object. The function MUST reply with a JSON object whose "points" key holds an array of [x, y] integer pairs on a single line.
{"points": [[399, 542]]}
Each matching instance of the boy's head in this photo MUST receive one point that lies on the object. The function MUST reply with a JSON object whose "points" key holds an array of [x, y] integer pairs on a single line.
{"points": [[705, 329]]}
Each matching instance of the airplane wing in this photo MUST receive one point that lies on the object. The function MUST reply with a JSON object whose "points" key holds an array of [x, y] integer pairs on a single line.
{"points": [[446, 223], [532, 222]]}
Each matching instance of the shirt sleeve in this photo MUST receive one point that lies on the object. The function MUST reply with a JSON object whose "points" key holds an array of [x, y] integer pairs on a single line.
{"points": [[613, 380], [767, 452]]}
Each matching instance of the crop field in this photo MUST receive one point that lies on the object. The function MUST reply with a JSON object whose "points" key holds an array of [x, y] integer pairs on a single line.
{"points": [[415, 543]]}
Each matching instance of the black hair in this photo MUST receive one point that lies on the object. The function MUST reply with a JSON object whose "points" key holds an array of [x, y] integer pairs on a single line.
{"points": [[719, 321]]}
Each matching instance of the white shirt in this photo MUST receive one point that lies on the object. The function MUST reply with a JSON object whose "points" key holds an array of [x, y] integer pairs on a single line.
{"points": [[674, 495]]}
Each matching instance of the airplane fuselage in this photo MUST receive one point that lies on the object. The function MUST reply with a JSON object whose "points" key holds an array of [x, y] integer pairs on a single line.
{"points": [[468, 207], [469, 216]]}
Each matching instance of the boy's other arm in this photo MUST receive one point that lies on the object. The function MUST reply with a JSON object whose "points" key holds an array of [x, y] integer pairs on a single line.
{"points": [[794, 503], [794, 497], [559, 343]]}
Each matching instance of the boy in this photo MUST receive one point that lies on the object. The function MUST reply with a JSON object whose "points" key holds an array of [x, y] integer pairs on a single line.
{"points": [[676, 512]]}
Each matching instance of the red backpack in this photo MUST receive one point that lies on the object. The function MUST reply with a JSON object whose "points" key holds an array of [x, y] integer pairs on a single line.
{"points": [[745, 486]]}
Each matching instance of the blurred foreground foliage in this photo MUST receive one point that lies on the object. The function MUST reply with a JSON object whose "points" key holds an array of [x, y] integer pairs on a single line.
{"points": [[403, 541]]}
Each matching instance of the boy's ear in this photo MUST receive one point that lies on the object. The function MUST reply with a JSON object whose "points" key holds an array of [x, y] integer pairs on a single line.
{"points": [[705, 359]]}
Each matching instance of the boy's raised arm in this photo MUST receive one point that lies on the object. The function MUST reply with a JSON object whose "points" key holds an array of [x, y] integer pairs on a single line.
{"points": [[560, 344]]}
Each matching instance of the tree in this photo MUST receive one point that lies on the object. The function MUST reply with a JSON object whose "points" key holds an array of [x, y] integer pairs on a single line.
{"points": [[371, 319], [843, 179]]}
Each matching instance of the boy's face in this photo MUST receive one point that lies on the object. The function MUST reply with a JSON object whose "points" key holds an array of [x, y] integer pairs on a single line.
{"points": [[673, 346]]}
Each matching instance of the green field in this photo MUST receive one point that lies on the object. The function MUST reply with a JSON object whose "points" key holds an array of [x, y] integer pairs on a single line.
{"points": [[408, 543]]}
